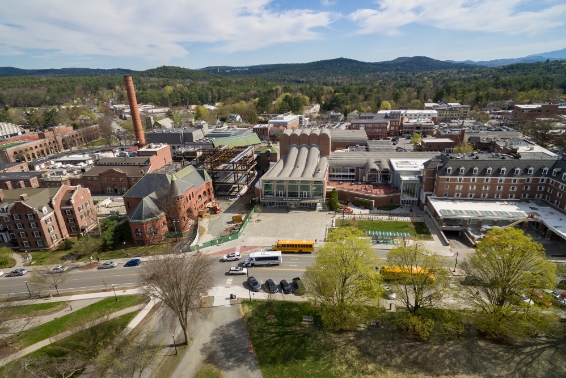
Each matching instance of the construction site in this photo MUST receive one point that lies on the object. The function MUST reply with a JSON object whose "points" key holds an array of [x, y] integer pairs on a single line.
{"points": [[232, 170]]}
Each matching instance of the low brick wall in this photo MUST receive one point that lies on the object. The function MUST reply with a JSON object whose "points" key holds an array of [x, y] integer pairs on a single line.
{"points": [[379, 200]]}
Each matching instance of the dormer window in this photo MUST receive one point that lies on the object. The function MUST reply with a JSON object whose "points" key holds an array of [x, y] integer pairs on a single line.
{"points": [[475, 170], [517, 171], [531, 170], [554, 171], [503, 170], [488, 171], [545, 171], [461, 170], [449, 170], [564, 176]]}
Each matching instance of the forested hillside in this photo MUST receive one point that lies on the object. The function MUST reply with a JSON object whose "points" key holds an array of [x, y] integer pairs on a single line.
{"points": [[339, 84]]}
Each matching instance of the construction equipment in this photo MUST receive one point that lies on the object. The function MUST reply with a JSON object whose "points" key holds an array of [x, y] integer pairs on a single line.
{"points": [[237, 218], [203, 213], [215, 208]]}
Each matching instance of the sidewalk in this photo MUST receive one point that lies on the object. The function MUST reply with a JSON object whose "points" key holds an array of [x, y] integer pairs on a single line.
{"points": [[41, 344], [71, 298]]}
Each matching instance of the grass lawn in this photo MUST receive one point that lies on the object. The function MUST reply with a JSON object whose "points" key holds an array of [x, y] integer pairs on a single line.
{"points": [[208, 372], [416, 229], [84, 345], [67, 322], [38, 309], [288, 348], [389, 207]]}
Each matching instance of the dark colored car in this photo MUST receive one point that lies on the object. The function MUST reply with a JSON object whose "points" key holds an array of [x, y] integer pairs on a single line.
{"points": [[254, 285], [298, 285], [271, 287], [286, 287], [133, 262]]}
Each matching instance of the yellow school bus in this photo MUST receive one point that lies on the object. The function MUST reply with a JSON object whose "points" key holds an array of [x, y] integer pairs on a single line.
{"points": [[296, 246], [394, 273]]}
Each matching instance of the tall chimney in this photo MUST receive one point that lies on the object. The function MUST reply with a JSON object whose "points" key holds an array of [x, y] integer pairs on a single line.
{"points": [[138, 129]]}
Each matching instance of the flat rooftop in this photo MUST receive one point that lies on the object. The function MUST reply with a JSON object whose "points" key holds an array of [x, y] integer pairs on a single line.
{"points": [[554, 219], [371, 189]]}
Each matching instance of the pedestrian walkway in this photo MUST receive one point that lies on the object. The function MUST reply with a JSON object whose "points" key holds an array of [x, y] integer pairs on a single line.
{"points": [[43, 343], [222, 294], [78, 297]]}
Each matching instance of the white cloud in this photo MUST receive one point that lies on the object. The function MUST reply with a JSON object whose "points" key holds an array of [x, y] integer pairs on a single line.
{"points": [[499, 16], [155, 30]]}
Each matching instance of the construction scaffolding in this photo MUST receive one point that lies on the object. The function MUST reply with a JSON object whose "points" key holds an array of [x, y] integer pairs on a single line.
{"points": [[232, 170]]}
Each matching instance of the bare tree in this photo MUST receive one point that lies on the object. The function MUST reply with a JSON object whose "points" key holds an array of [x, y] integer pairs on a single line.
{"points": [[12, 321], [52, 276], [133, 356], [106, 131], [179, 281], [45, 367]]}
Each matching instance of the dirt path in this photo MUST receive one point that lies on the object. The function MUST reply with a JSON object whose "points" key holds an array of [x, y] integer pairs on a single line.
{"points": [[220, 340]]}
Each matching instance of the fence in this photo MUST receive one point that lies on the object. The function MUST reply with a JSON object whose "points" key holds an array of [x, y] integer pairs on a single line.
{"points": [[224, 239]]}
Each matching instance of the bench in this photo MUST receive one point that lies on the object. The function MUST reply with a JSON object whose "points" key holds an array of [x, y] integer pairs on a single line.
{"points": [[308, 320]]}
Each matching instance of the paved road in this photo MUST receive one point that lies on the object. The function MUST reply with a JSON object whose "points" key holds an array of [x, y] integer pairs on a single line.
{"points": [[78, 280]]}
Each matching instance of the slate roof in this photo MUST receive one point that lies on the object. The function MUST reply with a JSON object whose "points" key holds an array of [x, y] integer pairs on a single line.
{"points": [[37, 197], [20, 175], [158, 183], [145, 211], [130, 170]]}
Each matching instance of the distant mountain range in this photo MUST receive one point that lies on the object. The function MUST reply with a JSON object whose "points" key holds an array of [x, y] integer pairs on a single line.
{"points": [[542, 57], [296, 71]]}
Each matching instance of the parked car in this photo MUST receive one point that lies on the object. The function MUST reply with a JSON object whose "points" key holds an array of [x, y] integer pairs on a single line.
{"points": [[59, 269], [389, 292], [271, 287], [238, 270], [16, 272], [298, 285], [107, 265], [286, 287], [562, 284], [233, 256], [133, 262], [1, 273], [254, 284]]}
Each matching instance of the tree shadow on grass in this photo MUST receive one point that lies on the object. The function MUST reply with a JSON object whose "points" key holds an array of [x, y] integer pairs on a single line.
{"points": [[471, 354]]}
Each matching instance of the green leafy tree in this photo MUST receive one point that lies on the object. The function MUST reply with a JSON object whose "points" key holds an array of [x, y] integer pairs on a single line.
{"points": [[5, 115], [50, 117], [342, 282], [420, 275], [510, 264], [33, 118], [109, 236], [6, 257], [464, 148], [416, 139], [87, 246], [201, 113], [333, 203], [385, 105]]}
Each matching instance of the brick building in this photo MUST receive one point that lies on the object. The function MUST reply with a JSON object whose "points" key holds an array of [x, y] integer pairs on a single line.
{"points": [[447, 111], [437, 144], [13, 167], [538, 110], [52, 141], [166, 200], [489, 176], [118, 175], [17, 180], [40, 219]]}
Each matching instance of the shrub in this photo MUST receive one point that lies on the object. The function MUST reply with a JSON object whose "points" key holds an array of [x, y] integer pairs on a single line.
{"points": [[5, 257], [416, 325]]}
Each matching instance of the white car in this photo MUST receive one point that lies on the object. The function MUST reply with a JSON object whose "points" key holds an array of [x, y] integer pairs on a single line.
{"points": [[232, 256], [237, 270], [17, 272], [59, 269], [107, 265], [389, 293], [1, 273]]}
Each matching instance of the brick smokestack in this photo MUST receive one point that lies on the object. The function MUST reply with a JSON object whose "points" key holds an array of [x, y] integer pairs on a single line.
{"points": [[138, 129]]}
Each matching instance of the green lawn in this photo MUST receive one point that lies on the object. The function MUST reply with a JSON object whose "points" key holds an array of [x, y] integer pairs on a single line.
{"points": [[67, 322], [389, 207], [38, 309], [288, 348], [84, 345], [208, 372], [416, 229]]}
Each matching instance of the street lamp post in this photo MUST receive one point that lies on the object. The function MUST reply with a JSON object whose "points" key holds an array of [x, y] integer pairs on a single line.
{"points": [[343, 210], [175, 221], [115, 296], [249, 291], [29, 291], [456, 263]]}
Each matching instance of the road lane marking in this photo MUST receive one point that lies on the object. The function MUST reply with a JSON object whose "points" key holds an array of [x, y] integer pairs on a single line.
{"points": [[295, 270]]}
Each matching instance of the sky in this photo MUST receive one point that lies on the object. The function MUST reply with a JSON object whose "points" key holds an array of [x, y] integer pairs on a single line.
{"points": [[143, 34]]}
